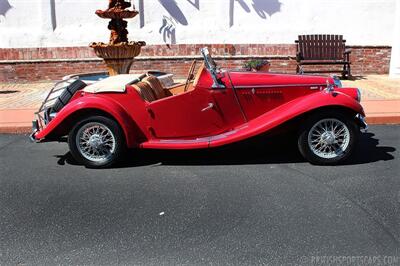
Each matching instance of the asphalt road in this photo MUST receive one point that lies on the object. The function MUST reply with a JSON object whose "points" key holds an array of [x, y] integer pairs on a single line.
{"points": [[248, 204]]}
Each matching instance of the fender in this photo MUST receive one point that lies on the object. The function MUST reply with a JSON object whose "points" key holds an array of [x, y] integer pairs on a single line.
{"points": [[105, 104], [285, 112]]}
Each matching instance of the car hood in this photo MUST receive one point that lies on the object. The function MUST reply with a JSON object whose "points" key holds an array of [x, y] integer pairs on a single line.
{"points": [[248, 79]]}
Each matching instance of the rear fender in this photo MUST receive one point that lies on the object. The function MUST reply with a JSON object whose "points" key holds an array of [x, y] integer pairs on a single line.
{"points": [[58, 125], [295, 108]]}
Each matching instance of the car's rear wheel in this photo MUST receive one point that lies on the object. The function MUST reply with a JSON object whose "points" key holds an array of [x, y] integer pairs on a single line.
{"points": [[96, 142], [328, 139]]}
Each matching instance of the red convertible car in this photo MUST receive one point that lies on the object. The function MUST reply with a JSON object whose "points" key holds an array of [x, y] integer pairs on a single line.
{"points": [[214, 107]]}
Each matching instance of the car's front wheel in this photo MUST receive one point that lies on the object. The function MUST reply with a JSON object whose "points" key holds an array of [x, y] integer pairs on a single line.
{"points": [[328, 139], [96, 142]]}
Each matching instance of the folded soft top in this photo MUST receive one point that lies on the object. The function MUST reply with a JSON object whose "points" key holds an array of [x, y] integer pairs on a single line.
{"points": [[114, 83]]}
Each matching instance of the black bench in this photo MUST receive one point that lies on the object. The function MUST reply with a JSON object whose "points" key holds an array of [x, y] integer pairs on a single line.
{"points": [[322, 49]]}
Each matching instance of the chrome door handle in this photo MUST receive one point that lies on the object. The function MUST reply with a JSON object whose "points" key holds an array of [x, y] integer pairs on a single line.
{"points": [[210, 106]]}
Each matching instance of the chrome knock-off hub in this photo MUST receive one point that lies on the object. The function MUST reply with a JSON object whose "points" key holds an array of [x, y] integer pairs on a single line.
{"points": [[95, 141], [328, 138]]}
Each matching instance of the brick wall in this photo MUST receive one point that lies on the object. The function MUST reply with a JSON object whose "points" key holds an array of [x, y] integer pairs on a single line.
{"points": [[34, 64]]}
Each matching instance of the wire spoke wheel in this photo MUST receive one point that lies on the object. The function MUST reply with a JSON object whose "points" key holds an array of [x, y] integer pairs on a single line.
{"points": [[329, 138], [95, 142]]}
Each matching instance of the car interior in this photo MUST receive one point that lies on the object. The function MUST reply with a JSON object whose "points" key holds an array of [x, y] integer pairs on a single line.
{"points": [[152, 85], [157, 85]]}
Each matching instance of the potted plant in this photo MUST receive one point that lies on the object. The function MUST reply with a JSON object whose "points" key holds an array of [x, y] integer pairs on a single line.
{"points": [[257, 65]]}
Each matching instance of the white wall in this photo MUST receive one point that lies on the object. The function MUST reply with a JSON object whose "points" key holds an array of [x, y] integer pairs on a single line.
{"points": [[38, 23]]}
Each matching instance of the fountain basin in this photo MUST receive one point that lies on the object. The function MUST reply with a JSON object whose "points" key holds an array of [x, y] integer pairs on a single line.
{"points": [[118, 57]]}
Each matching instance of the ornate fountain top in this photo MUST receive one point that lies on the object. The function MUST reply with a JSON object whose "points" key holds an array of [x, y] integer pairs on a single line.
{"points": [[118, 53], [118, 4], [117, 9]]}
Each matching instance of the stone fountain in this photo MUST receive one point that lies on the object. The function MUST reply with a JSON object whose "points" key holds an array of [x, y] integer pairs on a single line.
{"points": [[118, 54]]}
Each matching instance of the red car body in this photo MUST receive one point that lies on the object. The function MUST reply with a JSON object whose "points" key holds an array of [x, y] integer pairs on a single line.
{"points": [[249, 104]]}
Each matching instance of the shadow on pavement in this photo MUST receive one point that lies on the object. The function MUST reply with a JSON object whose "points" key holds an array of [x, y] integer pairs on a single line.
{"points": [[368, 151], [257, 151]]}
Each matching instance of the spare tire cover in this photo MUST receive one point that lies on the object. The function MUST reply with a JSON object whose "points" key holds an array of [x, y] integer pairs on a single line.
{"points": [[67, 94]]}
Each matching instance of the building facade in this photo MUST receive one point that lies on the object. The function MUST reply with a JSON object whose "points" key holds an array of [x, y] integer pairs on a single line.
{"points": [[47, 39]]}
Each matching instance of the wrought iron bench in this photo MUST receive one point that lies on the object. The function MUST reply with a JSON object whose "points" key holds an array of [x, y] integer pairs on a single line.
{"points": [[322, 49]]}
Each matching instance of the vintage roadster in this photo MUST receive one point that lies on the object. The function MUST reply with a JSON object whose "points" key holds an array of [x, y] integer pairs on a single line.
{"points": [[214, 107]]}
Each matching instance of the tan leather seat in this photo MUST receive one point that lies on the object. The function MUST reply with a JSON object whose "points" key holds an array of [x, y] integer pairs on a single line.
{"points": [[156, 86], [145, 91]]}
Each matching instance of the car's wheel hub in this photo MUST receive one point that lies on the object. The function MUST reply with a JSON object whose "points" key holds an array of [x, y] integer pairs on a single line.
{"points": [[329, 138], [95, 141]]}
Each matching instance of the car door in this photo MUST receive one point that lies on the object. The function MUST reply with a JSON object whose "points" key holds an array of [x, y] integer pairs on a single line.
{"points": [[188, 115]]}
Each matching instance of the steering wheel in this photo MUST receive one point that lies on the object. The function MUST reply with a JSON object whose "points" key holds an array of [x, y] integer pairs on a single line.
{"points": [[190, 75]]}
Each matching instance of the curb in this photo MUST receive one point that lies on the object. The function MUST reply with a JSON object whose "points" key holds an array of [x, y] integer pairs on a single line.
{"points": [[16, 121], [382, 112], [383, 120], [16, 130]]}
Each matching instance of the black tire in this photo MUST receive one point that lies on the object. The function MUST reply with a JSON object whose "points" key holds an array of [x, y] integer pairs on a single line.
{"points": [[67, 94], [118, 138], [321, 159]]}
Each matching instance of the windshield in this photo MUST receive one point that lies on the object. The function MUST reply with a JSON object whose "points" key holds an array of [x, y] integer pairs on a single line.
{"points": [[209, 62], [211, 67]]}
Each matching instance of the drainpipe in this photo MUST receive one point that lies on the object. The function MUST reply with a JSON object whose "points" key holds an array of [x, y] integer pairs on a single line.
{"points": [[395, 58]]}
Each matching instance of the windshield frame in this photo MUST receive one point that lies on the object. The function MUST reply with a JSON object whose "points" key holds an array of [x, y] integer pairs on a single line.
{"points": [[212, 68]]}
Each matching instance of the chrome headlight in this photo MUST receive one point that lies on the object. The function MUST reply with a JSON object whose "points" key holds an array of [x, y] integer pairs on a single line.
{"points": [[337, 81], [358, 95]]}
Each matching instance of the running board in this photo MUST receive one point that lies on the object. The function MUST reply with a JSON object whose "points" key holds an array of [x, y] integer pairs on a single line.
{"points": [[179, 144]]}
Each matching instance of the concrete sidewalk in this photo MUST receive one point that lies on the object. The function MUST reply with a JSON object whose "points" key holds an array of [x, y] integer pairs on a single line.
{"points": [[18, 102], [380, 98]]}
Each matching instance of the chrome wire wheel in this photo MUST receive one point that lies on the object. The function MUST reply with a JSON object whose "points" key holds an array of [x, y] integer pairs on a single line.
{"points": [[95, 142], [329, 138]]}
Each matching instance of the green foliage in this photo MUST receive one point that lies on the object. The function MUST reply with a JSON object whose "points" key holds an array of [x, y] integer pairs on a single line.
{"points": [[255, 64]]}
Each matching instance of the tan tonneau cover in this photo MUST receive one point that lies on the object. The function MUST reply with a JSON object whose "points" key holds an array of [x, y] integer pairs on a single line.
{"points": [[113, 83]]}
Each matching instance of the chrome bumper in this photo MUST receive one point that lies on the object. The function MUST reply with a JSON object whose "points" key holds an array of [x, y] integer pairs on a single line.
{"points": [[361, 119], [35, 128]]}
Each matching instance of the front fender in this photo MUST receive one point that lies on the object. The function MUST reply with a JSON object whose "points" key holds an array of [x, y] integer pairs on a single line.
{"points": [[288, 111], [104, 104]]}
